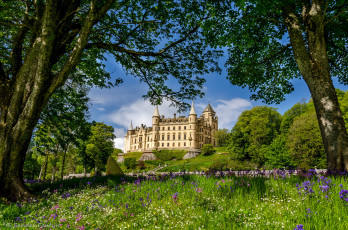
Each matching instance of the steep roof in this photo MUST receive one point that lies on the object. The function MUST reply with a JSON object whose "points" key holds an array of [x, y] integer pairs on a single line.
{"points": [[208, 109], [131, 126], [156, 113], [192, 111]]}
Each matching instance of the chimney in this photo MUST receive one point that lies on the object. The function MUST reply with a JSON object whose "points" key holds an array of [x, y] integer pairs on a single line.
{"points": [[174, 115]]}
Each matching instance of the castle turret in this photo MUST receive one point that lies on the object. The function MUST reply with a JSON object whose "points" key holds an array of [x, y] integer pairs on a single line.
{"points": [[127, 142], [193, 124], [155, 128], [211, 121]]}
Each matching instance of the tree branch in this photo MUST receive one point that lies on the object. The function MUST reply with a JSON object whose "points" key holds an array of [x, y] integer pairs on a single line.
{"points": [[117, 47], [275, 54], [92, 18], [336, 16]]}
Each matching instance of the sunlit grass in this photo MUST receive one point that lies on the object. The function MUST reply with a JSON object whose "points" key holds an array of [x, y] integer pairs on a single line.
{"points": [[186, 202]]}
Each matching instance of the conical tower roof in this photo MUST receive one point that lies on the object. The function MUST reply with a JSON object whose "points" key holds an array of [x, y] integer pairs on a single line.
{"points": [[131, 126], [192, 111], [208, 109], [156, 113]]}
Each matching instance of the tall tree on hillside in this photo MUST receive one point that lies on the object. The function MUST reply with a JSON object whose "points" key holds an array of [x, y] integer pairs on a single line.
{"points": [[100, 145], [45, 42], [254, 130], [273, 42]]}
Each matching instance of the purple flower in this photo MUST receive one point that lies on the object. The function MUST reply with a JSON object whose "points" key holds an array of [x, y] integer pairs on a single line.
{"points": [[299, 227], [344, 195]]}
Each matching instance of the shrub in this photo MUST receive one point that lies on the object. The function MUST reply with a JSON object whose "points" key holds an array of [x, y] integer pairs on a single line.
{"points": [[168, 155], [207, 150], [155, 162], [141, 165], [130, 162], [112, 168], [218, 166]]}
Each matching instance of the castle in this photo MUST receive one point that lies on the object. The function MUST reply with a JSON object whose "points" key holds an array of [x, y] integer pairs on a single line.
{"points": [[189, 133]]}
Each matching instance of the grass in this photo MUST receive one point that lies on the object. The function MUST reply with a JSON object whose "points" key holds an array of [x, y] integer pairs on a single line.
{"points": [[185, 202], [198, 163]]}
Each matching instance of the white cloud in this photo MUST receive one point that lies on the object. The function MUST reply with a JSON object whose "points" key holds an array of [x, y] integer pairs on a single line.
{"points": [[228, 111], [119, 143], [101, 109], [139, 112]]}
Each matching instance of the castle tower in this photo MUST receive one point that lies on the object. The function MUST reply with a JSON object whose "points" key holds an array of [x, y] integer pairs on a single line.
{"points": [[127, 142], [155, 128], [193, 124], [211, 121]]}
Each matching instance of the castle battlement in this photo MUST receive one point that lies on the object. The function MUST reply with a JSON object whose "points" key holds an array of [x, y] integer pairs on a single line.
{"points": [[174, 133]]}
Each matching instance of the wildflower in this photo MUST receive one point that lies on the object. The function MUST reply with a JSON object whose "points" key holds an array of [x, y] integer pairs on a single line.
{"points": [[175, 197], [299, 227], [344, 195]]}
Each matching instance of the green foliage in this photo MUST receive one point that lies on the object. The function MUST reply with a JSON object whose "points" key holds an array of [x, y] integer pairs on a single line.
{"points": [[305, 143], [254, 130], [130, 162], [141, 165], [31, 168], [117, 151], [222, 137], [278, 155], [112, 168], [218, 166], [154, 162], [290, 115], [207, 150], [168, 155], [137, 155], [100, 144]]}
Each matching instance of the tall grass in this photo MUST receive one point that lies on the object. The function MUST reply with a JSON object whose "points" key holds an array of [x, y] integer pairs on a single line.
{"points": [[187, 202]]}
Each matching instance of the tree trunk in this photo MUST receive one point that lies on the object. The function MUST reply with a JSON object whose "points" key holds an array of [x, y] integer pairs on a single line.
{"points": [[312, 59], [63, 163], [43, 169], [84, 171], [31, 84]]}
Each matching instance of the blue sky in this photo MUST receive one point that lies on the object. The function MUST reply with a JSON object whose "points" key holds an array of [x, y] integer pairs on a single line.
{"points": [[120, 105]]}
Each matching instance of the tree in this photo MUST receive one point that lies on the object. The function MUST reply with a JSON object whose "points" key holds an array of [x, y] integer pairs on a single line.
{"points": [[254, 130], [278, 155], [290, 115], [207, 150], [43, 43], [272, 42], [100, 145], [112, 168], [222, 137], [305, 143]]}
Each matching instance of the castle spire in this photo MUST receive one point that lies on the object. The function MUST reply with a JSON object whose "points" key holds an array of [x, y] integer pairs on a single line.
{"points": [[131, 126], [156, 113], [192, 111]]}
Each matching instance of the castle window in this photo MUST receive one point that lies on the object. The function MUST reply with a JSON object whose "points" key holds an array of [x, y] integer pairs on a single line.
{"points": [[173, 144], [179, 137], [148, 138], [179, 127], [184, 143], [185, 127], [162, 137], [162, 144], [147, 145], [135, 140], [168, 128], [179, 144], [168, 137], [190, 126], [173, 136], [185, 136], [174, 128], [140, 139], [167, 144]]}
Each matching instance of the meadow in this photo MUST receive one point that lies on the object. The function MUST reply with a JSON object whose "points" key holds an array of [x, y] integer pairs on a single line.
{"points": [[182, 201]]}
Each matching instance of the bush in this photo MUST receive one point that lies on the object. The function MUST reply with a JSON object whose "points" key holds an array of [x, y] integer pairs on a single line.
{"points": [[141, 165], [130, 162], [112, 168], [154, 162], [168, 155], [207, 150], [218, 166]]}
